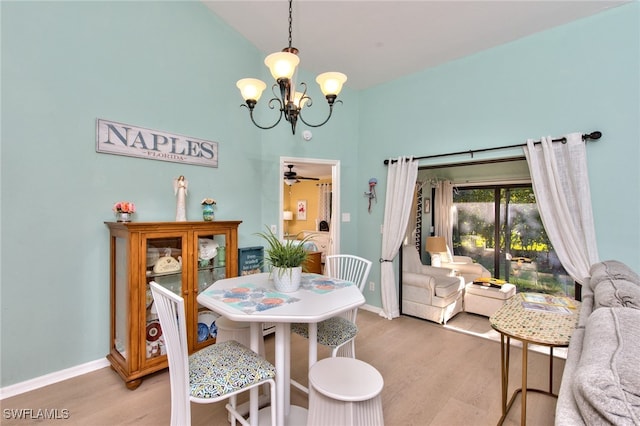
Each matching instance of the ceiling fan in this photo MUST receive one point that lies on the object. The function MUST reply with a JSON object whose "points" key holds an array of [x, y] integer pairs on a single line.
{"points": [[291, 177]]}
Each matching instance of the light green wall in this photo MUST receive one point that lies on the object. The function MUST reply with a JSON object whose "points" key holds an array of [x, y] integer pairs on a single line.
{"points": [[579, 77], [172, 66], [168, 66]]}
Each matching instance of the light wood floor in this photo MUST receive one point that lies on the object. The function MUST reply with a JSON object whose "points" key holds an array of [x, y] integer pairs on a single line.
{"points": [[433, 376]]}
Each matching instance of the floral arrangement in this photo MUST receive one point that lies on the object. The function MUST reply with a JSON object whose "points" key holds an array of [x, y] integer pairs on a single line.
{"points": [[208, 202], [124, 207]]}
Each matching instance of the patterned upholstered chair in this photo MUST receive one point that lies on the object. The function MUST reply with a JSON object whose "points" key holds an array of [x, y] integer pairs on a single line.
{"points": [[339, 332], [212, 374], [336, 332]]}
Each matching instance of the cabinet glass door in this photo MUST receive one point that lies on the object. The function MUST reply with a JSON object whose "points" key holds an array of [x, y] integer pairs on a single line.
{"points": [[121, 330], [212, 266], [164, 265]]}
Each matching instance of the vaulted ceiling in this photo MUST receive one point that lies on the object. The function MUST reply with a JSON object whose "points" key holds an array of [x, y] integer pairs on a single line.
{"points": [[377, 41]]}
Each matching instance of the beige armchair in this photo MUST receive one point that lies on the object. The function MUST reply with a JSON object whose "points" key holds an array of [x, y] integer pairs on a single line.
{"points": [[428, 292], [463, 266]]}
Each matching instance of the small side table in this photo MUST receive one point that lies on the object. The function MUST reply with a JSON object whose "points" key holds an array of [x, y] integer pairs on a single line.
{"points": [[529, 326]]}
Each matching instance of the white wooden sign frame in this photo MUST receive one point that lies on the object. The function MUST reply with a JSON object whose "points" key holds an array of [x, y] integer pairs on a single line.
{"points": [[132, 141]]}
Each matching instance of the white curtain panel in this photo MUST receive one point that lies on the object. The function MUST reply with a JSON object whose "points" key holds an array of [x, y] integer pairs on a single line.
{"points": [[324, 205], [561, 186], [443, 223], [401, 180]]}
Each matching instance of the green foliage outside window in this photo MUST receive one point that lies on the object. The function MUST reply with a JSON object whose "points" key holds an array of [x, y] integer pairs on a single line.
{"points": [[525, 256]]}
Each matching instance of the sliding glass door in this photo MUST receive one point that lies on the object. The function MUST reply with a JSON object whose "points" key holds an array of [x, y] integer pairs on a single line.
{"points": [[500, 227]]}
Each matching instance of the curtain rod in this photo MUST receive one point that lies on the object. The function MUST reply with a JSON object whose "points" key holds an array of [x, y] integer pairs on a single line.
{"points": [[585, 137]]}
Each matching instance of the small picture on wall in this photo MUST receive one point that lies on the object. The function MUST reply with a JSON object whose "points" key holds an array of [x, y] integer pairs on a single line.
{"points": [[426, 207], [301, 212]]}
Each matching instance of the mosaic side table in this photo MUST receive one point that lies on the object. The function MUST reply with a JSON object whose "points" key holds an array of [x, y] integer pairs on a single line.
{"points": [[549, 329]]}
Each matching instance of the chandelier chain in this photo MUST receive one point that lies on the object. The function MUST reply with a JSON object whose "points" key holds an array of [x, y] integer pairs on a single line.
{"points": [[290, 21]]}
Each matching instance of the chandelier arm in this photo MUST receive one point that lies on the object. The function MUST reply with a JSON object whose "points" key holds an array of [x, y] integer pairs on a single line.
{"points": [[270, 106], [324, 122]]}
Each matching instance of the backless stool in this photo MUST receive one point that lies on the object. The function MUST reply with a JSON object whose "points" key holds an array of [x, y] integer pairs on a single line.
{"points": [[344, 391]]}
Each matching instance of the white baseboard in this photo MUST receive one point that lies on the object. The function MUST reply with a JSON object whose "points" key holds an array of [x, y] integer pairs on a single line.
{"points": [[371, 308], [48, 379]]}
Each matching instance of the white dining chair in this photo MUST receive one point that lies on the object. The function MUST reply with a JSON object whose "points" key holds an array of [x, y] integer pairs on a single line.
{"points": [[215, 373], [339, 332]]}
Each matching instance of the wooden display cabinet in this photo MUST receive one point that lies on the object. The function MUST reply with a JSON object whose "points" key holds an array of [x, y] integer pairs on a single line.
{"points": [[313, 262], [185, 257]]}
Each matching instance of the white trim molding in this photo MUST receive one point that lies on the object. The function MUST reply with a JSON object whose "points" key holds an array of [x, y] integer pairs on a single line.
{"points": [[51, 378], [371, 308]]}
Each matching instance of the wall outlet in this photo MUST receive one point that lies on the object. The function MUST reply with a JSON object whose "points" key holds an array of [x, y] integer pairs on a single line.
{"points": [[372, 286], [274, 228]]}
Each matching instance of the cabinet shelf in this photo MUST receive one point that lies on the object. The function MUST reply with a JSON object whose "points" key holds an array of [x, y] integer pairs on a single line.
{"points": [[136, 341], [151, 274], [212, 268]]}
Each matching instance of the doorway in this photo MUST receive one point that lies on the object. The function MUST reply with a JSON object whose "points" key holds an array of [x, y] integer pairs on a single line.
{"points": [[325, 171]]}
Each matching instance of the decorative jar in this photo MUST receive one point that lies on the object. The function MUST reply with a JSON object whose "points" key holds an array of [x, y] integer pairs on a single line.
{"points": [[123, 217], [207, 212]]}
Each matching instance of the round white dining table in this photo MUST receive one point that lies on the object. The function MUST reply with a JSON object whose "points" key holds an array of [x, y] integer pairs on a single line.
{"points": [[254, 299]]}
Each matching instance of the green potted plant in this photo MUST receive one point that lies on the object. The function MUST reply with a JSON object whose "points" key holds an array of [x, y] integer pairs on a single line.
{"points": [[286, 258]]}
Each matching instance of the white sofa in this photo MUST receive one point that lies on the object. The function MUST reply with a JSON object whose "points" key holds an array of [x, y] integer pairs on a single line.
{"points": [[428, 292]]}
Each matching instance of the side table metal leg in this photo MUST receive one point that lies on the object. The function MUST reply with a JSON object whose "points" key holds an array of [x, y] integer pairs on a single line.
{"points": [[525, 351], [506, 371], [504, 374], [551, 370], [505, 345]]}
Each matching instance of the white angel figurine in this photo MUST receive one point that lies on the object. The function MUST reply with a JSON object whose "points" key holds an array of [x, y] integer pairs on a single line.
{"points": [[180, 186]]}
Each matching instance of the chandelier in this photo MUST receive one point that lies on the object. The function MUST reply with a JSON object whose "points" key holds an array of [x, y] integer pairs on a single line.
{"points": [[290, 103]]}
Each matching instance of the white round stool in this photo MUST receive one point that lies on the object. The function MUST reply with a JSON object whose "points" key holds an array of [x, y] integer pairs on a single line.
{"points": [[236, 330], [344, 391]]}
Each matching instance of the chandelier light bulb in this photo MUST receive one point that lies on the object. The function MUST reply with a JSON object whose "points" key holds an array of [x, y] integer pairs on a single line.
{"points": [[296, 99], [251, 88], [282, 64], [331, 82]]}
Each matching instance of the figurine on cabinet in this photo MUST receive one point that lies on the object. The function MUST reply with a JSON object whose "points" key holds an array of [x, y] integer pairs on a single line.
{"points": [[180, 186]]}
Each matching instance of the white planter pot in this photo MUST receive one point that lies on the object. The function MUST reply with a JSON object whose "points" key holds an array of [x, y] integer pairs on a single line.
{"points": [[287, 280]]}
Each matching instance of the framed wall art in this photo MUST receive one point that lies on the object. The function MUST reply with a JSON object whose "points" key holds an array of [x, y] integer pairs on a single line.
{"points": [[426, 206], [301, 211]]}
